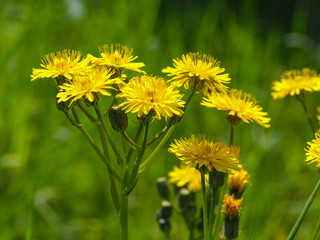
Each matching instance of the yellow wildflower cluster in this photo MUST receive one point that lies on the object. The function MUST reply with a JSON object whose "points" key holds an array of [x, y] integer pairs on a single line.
{"points": [[296, 82], [313, 150], [231, 206]]}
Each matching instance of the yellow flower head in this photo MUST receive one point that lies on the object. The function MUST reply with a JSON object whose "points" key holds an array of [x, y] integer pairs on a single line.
{"points": [[238, 180], [186, 175], [198, 152], [239, 105], [148, 93], [199, 72], [296, 82], [89, 86], [66, 63], [118, 57], [313, 150], [231, 206]]}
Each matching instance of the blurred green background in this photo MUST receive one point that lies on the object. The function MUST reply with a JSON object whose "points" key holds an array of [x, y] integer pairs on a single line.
{"points": [[51, 181]]}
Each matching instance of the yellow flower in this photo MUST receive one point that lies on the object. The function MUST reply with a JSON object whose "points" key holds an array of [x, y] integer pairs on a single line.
{"points": [[313, 150], [238, 180], [198, 152], [186, 175], [89, 86], [118, 58], [239, 105], [231, 206], [66, 63], [296, 82], [148, 93], [199, 72], [318, 115]]}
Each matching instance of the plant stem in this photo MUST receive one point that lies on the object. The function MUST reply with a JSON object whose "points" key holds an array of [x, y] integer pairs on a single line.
{"points": [[304, 212], [213, 199], [217, 219], [136, 165], [124, 216], [114, 147], [308, 115], [163, 131], [205, 206], [157, 149], [128, 157], [84, 132]]}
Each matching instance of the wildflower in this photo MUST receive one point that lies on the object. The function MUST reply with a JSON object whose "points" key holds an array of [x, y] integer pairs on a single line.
{"points": [[240, 106], [237, 182], [186, 176], [313, 150], [118, 58], [66, 63], [151, 94], [295, 83], [198, 152], [90, 86], [199, 72], [230, 208]]}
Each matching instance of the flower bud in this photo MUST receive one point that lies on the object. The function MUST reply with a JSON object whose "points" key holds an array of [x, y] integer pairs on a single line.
{"points": [[118, 119], [165, 209], [184, 198], [163, 188], [233, 120], [164, 225]]}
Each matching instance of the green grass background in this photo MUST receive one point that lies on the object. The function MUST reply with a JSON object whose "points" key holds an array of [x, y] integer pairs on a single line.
{"points": [[52, 186]]}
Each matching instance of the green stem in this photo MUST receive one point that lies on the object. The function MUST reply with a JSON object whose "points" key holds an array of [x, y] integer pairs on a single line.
{"points": [[115, 150], [163, 131], [189, 98], [136, 165], [157, 149], [129, 140], [84, 132], [124, 216], [205, 206], [114, 191], [308, 115], [304, 212], [213, 199], [317, 231], [217, 219], [128, 157], [89, 116]]}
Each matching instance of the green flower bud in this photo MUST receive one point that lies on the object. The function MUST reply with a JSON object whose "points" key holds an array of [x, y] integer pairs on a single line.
{"points": [[164, 225], [231, 227], [163, 188], [184, 198], [118, 119]]}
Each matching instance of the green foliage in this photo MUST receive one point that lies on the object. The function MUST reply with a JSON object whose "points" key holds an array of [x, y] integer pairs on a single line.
{"points": [[44, 158]]}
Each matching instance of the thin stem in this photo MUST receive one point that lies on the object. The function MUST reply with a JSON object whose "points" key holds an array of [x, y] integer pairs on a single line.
{"points": [[157, 149], [124, 216], [136, 165], [308, 115], [129, 140], [304, 212], [217, 219], [89, 116], [163, 131], [84, 132], [114, 191], [205, 206], [114, 147], [317, 231], [128, 157], [189, 98], [213, 199]]}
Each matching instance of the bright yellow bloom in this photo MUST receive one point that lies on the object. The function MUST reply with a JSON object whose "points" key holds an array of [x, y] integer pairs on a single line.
{"points": [[238, 180], [186, 175], [66, 63], [199, 72], [295, 82], [239, 105], [117, 57], [313, 150], [148, 93], [198, 152], [231, 206], [89, 86]]}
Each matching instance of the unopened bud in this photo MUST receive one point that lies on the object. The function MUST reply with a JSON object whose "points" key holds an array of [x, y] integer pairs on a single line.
{"points": [[164, 225], [118, 119], [184, 198], [163, 188]]}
